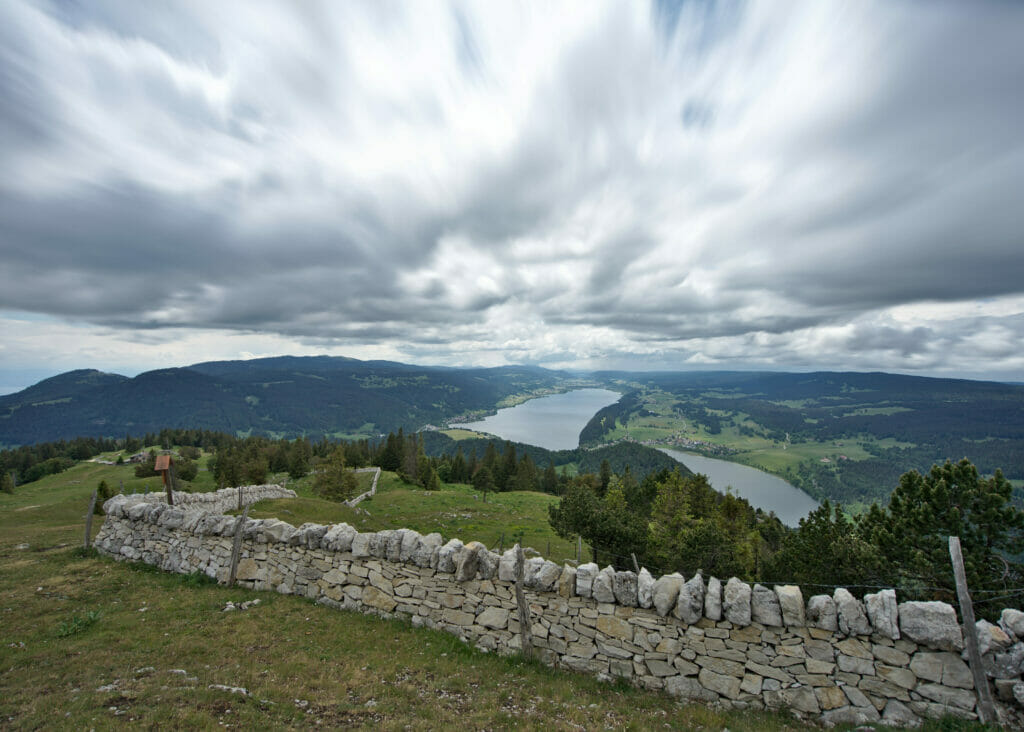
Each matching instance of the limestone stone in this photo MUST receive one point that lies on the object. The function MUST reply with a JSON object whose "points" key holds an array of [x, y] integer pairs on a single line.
{"points": [[751, 684], [530, 570], [447, 556], [423, 556], [764, 606], [900, 676], [507, 566], [666, 591], [770, 672], [883, 613], [898, 714], [377, 599], [736, 602], [585, 575], [453, 616], [468, 561], [248, 569], [689, 689], [614, 627], [948, 696], [1012, 621], [721, 666], [334, 576], [488, 563], [1005, 665], [890, 656], [644, 588], [393, 549], [379, 543], [851, 715], [853, 665], [494, 617], [830, 697], [801, 698], [361, 544], [855, 648], [690, 603], [931, 624], [814, 666], [624, 587], [991, 638], [660, 668], [852, 618], [727, 686], [791, 603], [567, 581], [603, 590], [713, 600], [410, 541], [928, 666]]}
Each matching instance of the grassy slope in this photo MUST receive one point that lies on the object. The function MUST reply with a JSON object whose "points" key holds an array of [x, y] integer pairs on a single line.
{"points": [[161, 640]]}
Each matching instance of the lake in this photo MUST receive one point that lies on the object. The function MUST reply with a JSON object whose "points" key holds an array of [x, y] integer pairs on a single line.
{"points": [[762, 489], [553, 422]]}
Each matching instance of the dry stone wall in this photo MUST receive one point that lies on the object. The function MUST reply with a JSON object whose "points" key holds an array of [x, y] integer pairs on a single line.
{"points": [[834, 657], [226, 499]]}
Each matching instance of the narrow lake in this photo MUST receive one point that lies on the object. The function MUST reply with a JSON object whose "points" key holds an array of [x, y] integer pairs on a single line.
{"points": [[763, 490], [553, 422]]}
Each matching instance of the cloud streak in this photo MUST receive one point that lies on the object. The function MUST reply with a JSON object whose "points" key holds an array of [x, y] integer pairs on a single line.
{"points": [[607, 185]]}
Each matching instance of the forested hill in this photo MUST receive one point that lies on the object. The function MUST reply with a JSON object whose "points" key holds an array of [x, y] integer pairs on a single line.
{"points": [[640, 459], [284, 396]]}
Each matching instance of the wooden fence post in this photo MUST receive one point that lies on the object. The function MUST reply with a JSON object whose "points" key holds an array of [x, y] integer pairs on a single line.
{"points": [[525, 624], [986, 709], [236, 548], [636, 565], [88, 518], [579, 549]]}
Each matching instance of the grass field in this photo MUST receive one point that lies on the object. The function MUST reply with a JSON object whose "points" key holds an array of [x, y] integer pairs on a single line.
{"points": [[89, 643], [664, 426]]}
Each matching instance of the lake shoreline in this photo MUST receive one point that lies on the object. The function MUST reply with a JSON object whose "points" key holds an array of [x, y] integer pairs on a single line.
{"points": [[761, 488]]}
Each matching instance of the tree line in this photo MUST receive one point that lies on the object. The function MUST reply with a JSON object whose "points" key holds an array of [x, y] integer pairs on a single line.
{"points": [[675, 523]]}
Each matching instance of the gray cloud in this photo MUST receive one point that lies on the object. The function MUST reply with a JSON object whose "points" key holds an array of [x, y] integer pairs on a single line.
{"points": [[680, 185]]}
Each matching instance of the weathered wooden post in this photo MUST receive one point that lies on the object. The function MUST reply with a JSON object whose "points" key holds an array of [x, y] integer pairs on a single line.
{"points": [[636, 565], [986, 709], [579, 548], [88, 518], [236, 548], [525, 624]]}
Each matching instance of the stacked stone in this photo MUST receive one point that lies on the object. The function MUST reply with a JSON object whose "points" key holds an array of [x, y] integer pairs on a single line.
{"points": [[1002, 654], [218, 501], [835, 657]]}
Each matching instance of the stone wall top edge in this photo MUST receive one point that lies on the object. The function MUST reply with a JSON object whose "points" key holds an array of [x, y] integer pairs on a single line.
{"points": [[933, 624]]}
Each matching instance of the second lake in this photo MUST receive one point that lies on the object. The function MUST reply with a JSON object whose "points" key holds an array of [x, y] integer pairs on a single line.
{"points": [[763, 490]]}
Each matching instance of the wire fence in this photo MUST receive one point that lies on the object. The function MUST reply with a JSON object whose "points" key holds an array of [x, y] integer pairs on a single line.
{"points": [[914, 585]]}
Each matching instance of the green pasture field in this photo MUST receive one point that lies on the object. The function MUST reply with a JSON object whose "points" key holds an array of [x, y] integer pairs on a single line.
{"points": [[90, 643], [754, 450]]}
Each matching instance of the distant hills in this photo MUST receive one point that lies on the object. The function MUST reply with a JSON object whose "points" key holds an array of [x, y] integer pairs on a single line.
{"points": [[284, 396], [847, 436]]}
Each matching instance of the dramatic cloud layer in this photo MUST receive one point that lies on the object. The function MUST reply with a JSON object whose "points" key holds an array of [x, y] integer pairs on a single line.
{"points": [[683, 185]]}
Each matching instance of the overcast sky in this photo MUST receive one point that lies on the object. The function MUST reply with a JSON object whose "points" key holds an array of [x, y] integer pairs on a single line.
{"points": [[788, 186]]}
